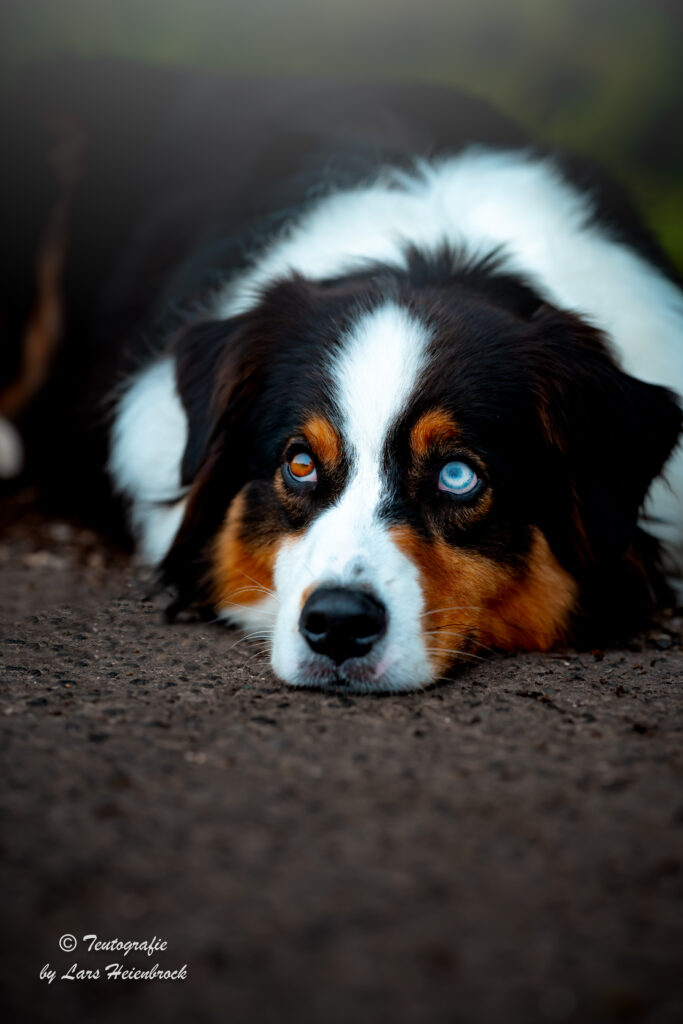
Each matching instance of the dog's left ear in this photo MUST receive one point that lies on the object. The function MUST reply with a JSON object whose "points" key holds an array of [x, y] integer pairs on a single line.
{"points": [[609, 434]]}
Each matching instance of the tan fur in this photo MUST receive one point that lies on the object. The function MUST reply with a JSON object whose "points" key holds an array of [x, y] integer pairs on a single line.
{"points": [[434, 427], [242, 569], [323, 439], [472, 601]]}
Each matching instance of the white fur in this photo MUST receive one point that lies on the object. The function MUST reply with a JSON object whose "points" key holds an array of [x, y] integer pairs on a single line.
{"points": [[348, 545], [148, 440], [481, 200]]}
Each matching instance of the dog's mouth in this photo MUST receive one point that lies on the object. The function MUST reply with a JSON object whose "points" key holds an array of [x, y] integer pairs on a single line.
{"points": [[387, 672], [320, 672]]}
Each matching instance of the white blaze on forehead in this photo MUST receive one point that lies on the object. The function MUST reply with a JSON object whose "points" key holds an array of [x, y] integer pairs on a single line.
{"points": [[374, 378]]}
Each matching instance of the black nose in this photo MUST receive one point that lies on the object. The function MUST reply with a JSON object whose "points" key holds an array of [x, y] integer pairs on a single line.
{"points": [[342, 623]]}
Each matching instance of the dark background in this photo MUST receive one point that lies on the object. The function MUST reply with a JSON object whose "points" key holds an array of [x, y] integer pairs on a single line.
{"points": [[604, 77]]}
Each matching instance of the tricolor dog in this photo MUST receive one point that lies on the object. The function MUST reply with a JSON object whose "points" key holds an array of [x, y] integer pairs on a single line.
{"points": [[410, 389]]}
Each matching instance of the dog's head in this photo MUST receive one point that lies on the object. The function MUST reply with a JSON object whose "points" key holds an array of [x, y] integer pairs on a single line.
{"points": [[393, 470]]}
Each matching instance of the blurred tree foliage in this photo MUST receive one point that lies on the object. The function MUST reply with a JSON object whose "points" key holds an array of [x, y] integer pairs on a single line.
{"points": [[603, 77]]}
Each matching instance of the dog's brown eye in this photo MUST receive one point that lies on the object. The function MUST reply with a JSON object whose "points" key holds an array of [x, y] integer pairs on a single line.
{"points": [[302, 466], [300, 469]]}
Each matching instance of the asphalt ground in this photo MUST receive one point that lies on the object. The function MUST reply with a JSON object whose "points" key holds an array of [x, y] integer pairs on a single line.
{"points": [[506, 847]]}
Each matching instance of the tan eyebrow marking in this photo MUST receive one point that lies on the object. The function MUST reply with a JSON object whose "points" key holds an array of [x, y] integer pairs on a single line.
{"points": [[323, 439], [433, 427]]}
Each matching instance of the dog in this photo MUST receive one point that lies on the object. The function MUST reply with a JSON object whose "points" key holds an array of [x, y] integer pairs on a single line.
{"points": [[399, 387]]}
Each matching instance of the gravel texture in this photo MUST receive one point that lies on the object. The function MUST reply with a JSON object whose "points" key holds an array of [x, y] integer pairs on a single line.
{"points": [[506, 847]]}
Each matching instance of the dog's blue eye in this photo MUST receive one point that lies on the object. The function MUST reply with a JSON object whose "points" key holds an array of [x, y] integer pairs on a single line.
{"points": [[458, 478]]}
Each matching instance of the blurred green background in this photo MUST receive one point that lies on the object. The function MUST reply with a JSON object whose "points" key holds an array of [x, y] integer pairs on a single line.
{"points": [[604, 77]]}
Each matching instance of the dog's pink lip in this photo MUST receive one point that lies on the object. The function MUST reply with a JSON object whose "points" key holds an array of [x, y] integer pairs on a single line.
{"points": [[385, 663]]}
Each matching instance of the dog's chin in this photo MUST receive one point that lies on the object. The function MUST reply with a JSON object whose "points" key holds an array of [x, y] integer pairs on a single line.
{"points": [[352, 676]]}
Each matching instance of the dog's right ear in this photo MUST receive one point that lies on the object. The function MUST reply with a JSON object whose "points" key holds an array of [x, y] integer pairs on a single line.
{"points": [[218, 372], [207, 357]]}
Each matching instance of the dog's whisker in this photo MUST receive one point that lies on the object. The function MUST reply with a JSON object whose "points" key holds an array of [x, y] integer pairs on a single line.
{"points": [[251, 590], [259, 652], [250, 643], [454, 652], [445, 632], [243, 607], [253, 636], [442, 679], [261, 649], [260, 586], [469, 635], [452, 608], [254, 656]]}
